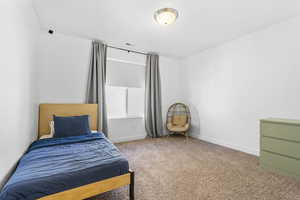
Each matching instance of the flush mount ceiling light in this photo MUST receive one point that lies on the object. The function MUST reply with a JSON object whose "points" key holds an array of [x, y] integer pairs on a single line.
{"points": [[166, 16]]}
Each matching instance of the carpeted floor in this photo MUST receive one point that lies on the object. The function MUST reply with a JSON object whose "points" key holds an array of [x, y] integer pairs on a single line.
{"points": [[171, 169]]}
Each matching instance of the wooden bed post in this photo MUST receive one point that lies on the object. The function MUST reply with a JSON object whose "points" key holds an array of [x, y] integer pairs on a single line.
{"points": [[131, 186]]}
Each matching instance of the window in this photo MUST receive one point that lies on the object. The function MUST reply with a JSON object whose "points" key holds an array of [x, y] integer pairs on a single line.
{"points": [[125, 89], [124, 102], [116, 101], [135, 102]]}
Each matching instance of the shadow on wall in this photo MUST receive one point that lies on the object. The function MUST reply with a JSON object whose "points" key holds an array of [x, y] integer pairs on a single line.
{"points": [[195, 122], [7, 176]]}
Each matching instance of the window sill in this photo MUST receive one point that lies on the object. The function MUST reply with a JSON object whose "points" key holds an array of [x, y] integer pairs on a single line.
{"points": [[127, 117]]}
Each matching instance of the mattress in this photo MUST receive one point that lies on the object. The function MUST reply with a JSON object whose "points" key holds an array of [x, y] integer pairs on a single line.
{"points": [[57, 164]]}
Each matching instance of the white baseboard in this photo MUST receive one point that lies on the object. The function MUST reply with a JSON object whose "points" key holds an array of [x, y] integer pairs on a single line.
{"points": [[204, 138], [228, 144], [127, 139]]}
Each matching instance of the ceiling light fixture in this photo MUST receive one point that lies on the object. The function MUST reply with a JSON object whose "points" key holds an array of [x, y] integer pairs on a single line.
{"points": [[166, 16]]}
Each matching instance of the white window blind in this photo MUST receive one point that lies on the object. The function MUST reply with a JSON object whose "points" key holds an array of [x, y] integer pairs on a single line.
{"points": [[124, 74]]}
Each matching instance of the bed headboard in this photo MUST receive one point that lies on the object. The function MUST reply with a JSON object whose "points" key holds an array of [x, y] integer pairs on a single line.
{"points": [[47, 111]]}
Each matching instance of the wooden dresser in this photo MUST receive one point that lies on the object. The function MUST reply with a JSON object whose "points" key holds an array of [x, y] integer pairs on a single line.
{"points": [[280, 146]]}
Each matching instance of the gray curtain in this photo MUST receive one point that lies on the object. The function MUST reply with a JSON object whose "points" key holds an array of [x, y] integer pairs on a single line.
{"points": [[153, 116], [96, 83]]}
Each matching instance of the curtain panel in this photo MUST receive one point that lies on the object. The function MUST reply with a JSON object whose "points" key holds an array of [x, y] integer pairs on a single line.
{"points": [[96, 83], [153, 114]]}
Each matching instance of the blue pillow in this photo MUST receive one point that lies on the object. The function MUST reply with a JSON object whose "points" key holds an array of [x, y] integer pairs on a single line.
{"points": [[71, 126]]}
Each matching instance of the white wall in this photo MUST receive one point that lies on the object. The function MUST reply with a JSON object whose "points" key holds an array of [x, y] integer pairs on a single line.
{"points": [[171, 83], [232, 86], [63, 68], [63, 71], [19, 28]]}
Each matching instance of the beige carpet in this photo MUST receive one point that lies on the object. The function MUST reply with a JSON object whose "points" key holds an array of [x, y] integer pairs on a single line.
{"points": [[171, 169]]}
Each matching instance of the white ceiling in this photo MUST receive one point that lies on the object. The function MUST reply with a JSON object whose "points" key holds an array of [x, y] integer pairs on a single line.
{"points": [[201, 23]]}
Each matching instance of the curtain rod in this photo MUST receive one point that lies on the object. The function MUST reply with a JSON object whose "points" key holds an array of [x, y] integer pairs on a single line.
{"points": [[51, 32], [128, 50]]}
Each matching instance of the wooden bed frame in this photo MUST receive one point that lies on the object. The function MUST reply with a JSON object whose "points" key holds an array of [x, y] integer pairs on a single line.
{"points": [[46, 112]]}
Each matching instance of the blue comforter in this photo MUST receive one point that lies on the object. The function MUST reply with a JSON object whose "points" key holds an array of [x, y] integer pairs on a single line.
{"points": [[57, 164]]}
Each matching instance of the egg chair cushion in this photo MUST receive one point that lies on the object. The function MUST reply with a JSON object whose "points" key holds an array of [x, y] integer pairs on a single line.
{"points": [[177, 128], [179, 120]]}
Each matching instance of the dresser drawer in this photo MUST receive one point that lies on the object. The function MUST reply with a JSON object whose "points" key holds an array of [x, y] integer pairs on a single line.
{"points": [[287, 165], [282, 147], [281, 130]]}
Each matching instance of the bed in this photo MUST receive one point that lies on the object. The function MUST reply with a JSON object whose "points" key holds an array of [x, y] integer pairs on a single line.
{"points": [[76, 167]]}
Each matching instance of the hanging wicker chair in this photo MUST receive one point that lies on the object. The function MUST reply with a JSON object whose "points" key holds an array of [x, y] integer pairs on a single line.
{"points": [[178, 119]]}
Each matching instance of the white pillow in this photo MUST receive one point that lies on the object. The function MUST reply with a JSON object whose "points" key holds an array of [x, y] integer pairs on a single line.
{"points": [[51, 125], [46, 136], [52, 131]]}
